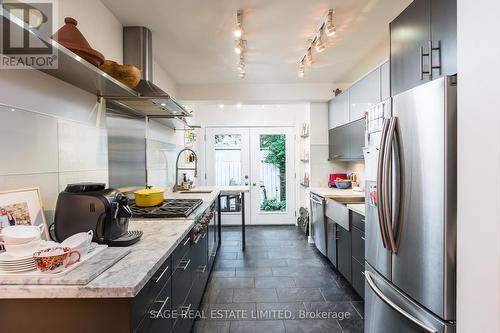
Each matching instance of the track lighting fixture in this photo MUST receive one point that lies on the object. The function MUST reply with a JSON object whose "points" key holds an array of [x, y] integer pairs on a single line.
{"points": [[240, 43], [329, 26], [325, 28]]}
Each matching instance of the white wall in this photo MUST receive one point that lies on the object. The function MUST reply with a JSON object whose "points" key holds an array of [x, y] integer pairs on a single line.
{"points": [[258, 93], [101, 29], [478, 154]]}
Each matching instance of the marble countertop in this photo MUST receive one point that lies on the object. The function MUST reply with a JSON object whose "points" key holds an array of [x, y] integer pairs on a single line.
{"points": [[358, 208], [332, 193], [127, 277]]}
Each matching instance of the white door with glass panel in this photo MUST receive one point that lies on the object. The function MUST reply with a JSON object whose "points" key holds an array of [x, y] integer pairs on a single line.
{"points": [[272, 173], [261, 158], [227, 153]]}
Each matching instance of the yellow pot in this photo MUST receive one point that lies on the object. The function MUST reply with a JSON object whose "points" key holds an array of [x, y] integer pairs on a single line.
{"points": [[149, 197]]}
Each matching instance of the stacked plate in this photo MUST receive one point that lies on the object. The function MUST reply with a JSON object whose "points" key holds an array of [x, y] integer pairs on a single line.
{"points": [[11, 264]]}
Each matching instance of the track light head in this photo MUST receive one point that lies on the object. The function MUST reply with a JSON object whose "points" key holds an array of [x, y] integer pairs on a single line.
{"points": [[330, 29], [318, 43], [309, 56]]}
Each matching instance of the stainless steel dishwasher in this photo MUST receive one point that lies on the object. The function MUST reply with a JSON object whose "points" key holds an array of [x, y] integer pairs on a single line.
{"points": [[318, 222]]}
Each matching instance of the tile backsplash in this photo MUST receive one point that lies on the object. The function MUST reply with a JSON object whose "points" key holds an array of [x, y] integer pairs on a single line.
{"points": [[48, 152]]}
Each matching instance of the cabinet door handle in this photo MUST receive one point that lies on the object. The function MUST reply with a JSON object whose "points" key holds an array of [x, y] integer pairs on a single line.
{"points": [[362, 238], [202, 269], [197, 239], [186, 241], [161, 275], [431, 62], [185, 264], [162, 306], [421, 63], [185, 313]]}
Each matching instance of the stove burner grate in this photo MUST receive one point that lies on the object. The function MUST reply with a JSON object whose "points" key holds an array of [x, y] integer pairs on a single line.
{"points": [[169, 208]]}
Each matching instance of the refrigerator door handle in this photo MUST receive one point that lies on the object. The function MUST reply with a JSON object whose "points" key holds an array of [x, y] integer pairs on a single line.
{"points": [[386, 194], [380, 181], [387, 301], [401, 183], [393, 141]]}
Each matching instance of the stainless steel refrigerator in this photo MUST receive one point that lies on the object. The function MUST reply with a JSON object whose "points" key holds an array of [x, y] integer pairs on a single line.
{"points": [[411, 171]]}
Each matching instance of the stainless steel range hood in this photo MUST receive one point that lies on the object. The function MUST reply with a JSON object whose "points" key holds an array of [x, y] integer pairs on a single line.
{"points": [[152, 101]]}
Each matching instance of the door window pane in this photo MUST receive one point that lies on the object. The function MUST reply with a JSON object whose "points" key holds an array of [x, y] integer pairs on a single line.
{"points": [[228, 168], [272, 173]]}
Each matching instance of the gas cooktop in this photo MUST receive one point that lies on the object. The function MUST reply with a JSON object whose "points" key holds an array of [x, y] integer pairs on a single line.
{"points": [[170, 208]]}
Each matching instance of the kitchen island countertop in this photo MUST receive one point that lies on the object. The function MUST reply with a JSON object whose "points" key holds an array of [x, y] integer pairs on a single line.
{"points": [[332, 193], [127, 277]]}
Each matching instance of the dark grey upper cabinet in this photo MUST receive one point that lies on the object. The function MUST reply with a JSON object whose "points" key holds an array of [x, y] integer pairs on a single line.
{"points": [[339, 143], [346, 142], [426, 30], [410, 31], [444, 30], [356, 139]]}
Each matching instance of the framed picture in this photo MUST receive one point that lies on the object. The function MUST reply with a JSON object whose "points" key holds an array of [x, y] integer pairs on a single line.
{"points": [[22, 207]]}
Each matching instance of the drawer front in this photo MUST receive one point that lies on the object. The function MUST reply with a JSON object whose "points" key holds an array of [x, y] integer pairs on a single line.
{"points": [[184, 321], [358, 244], [158, 319], [338, 213], [181, 281], [181, 250], [358, 221], [143, 301], [358, 279]]}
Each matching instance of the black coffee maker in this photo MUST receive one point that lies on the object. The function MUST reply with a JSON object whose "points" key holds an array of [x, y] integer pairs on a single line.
{"points": [[90, 206]]}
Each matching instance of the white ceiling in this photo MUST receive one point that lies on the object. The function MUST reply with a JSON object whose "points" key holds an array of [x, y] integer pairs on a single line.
{"points": [[193, 39]]}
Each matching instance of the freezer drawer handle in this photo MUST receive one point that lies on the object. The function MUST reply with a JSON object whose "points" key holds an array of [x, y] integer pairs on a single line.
{"points": [[394, 306]]}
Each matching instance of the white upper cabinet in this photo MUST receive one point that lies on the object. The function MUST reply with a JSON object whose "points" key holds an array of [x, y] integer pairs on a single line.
{"points": [[385, 81], [363, 94], [338, 110]]}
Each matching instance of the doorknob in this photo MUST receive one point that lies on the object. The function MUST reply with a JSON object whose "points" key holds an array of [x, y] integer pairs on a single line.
{"points": [[246, 183], [246, 176], [254, 184]]}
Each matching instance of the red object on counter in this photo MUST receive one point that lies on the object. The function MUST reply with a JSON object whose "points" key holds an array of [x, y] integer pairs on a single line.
{"points": [[333, 176]]}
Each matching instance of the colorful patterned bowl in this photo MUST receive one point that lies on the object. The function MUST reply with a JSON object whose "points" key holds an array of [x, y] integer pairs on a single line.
{"points": [[55, 259]]}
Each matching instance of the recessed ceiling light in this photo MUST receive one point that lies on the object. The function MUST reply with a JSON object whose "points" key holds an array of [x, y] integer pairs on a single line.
{"points": [[238, 105], [221, 106], [163, 104]]}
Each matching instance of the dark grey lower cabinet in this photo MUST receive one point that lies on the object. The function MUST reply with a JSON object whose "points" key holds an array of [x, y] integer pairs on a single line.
{"points": [[331, 242], [182, 288], [344, 252]]}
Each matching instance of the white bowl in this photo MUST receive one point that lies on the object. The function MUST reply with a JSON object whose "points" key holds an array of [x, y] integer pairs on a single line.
{"points": [[22, 250], [21, 234], [79, 242]]}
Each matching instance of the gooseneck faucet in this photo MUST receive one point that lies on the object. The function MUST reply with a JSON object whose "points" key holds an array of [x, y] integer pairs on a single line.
{"points": [[177, 166]]}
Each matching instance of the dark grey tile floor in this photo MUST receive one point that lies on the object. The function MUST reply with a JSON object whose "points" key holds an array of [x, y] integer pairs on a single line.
{"points": [[280, 283]]}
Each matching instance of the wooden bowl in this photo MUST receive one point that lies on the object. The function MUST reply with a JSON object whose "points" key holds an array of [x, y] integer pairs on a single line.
{"points": [[127, 74]]}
